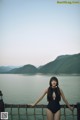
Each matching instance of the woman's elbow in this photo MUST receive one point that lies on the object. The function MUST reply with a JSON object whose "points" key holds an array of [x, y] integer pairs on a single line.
{"points": [[64, 99]]}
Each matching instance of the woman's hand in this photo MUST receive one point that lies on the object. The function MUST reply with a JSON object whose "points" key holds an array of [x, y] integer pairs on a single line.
{"points": [[71, 108], [32, 105]]}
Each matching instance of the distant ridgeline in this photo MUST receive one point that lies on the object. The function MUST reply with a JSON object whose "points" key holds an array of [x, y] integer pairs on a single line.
{"points": [[65, 64]]}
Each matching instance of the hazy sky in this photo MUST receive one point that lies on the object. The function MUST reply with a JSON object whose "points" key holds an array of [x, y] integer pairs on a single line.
{"points": [[37, 31]]}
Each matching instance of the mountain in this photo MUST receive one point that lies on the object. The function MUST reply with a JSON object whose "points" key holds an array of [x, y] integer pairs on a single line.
{"points": [[65, 64], [26, 69], [5, 69]]}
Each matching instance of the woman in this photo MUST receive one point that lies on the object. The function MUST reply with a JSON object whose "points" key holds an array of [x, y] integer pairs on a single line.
{"points": [[54, 94]]}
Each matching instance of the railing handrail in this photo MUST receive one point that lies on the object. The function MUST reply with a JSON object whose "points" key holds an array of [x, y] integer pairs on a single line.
{"points": [[36, 106]]}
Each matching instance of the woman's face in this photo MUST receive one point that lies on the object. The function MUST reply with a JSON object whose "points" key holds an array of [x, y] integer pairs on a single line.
{"points": [[53, 83]]}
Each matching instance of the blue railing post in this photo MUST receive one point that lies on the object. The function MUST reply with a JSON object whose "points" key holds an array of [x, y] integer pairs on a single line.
{"points": [[78, 111]]}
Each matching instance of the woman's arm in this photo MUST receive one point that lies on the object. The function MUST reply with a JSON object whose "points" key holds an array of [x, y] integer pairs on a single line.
{"points": [[40, 98], [64, 99]]}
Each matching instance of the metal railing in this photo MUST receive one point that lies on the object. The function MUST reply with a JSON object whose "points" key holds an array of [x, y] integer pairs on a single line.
{"points": [[26, 112]]}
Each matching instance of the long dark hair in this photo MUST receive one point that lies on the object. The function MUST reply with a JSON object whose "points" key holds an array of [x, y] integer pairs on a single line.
{"points": [[50, 89]]}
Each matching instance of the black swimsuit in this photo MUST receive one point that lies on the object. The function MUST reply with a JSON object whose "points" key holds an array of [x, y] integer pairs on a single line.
{"points": [[53, 104]]}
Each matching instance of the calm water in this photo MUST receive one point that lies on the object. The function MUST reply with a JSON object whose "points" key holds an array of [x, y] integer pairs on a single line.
{"points": [[25, 89]]}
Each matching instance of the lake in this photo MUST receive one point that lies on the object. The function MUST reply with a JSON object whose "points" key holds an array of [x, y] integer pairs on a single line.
{"points": [[25, 89]]}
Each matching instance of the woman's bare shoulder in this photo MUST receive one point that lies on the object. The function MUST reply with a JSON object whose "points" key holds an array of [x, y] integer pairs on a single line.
{"points": [[60, 90], [46, 90]]}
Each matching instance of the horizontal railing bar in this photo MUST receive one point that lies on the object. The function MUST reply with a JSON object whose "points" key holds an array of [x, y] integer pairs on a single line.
{"points": [[29, 106]]}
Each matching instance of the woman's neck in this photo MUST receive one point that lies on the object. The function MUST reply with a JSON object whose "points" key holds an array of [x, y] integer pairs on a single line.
{"points": [[53, 86]]}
